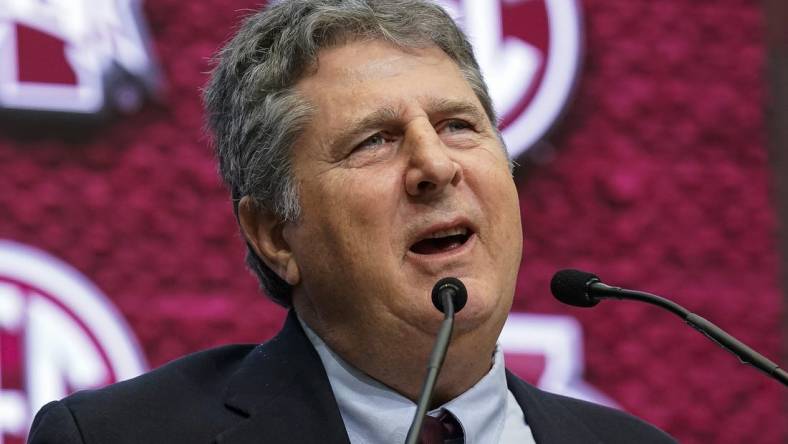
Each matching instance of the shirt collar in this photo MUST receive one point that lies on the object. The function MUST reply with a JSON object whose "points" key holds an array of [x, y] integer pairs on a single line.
{"points": [[373, 412]]}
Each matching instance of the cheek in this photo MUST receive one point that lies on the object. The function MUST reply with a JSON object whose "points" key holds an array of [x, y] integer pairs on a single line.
{"points": [[360, 206], [350, 214], [499, 200], [509, 211]]}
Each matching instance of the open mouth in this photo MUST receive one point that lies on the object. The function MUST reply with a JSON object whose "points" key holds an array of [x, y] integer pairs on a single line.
{"points": [[442, 241]]}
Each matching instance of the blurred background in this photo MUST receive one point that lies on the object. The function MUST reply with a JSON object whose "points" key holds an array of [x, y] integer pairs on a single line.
{"points": [[651, 138]]}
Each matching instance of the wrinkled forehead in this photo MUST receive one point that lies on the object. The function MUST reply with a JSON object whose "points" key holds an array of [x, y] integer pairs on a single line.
{"points": [[378, 79], [376, 68], [354, 48], [354, 57]]}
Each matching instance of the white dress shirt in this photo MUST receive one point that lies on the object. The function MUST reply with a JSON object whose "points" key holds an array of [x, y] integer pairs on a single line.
{"points": [[374, 413]]}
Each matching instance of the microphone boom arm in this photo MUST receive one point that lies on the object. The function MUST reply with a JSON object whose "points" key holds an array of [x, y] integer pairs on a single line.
{"points": [[746, 355]]}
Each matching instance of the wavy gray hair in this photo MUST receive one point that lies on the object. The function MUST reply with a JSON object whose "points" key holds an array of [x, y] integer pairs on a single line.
{"points": [[256, 114]]}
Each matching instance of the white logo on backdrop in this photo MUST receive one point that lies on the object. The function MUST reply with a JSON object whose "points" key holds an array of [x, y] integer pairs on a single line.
{"points": [[511, 65], [559, 340], [59, 334], [91, 39]]}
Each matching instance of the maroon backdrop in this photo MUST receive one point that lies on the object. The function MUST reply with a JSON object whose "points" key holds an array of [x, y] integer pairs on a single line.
{"points": [[656, 178]]}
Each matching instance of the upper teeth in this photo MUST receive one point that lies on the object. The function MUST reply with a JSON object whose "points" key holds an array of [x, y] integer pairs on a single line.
{"points": [[448, 232]]}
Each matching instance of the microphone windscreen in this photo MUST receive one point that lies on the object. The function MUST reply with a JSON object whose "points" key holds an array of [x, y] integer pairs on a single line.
{"points": [[459, 293], [571, 287]]}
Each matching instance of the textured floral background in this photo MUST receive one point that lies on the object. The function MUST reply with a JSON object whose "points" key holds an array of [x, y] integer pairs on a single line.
{"points": [[656, 178]]}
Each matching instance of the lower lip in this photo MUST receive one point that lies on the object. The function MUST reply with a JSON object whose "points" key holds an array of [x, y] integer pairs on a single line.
{"points": [[445, 255]]}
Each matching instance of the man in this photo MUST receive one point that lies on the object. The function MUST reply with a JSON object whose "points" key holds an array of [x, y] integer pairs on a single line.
{"points": [[359, 142]]}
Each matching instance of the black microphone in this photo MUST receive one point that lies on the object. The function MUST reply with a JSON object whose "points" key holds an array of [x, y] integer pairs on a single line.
{"points": [[449, 296], [454, 289], [582, 289]]}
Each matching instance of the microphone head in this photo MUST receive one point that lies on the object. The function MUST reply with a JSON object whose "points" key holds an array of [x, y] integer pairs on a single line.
{"points": [[571, 287], [459, 295]]}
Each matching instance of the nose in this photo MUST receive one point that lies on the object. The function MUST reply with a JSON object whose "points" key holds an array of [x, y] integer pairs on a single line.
{"points": [[430, 167]]}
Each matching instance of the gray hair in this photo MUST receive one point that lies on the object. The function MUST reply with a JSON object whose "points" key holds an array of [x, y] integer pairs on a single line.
{"points": [[256, 114]]}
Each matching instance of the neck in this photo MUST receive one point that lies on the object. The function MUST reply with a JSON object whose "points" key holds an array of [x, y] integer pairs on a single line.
{"points": [[398, 358]]}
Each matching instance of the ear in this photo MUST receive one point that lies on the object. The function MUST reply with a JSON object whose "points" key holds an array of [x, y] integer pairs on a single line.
{"points": [[263, 231]]}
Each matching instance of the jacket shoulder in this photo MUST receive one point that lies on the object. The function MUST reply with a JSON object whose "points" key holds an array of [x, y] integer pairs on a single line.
{"points": [[612, 425], [193, 377], [558, 418], [174, 398]]}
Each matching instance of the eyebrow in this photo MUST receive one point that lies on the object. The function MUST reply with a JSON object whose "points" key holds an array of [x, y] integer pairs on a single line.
{"points": [[385, 115], [452, 107], [378, 118]]}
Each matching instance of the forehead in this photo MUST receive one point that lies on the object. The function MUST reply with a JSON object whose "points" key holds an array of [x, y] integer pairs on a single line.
{"points": [[361, 77], [365, 60]]}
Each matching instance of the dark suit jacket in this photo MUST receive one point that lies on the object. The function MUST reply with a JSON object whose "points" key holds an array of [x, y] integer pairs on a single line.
{"points": [[277, 392]]}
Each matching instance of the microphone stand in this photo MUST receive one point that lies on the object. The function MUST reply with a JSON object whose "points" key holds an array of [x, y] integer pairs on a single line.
{"points": [[434, 366]]}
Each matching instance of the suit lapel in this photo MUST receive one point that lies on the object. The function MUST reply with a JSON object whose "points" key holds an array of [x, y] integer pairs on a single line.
{"points": [[550, 421], [282, 395]]}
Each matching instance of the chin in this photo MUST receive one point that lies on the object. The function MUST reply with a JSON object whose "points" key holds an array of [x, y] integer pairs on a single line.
{"points": [[482, 312]]}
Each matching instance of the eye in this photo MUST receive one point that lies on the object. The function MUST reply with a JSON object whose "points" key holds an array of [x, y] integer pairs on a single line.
{"points": [[375, 149], [454, 126], [373, 141]]}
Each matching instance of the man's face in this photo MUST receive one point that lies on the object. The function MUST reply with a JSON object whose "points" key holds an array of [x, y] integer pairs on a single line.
{"points": [[402, 181]]}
